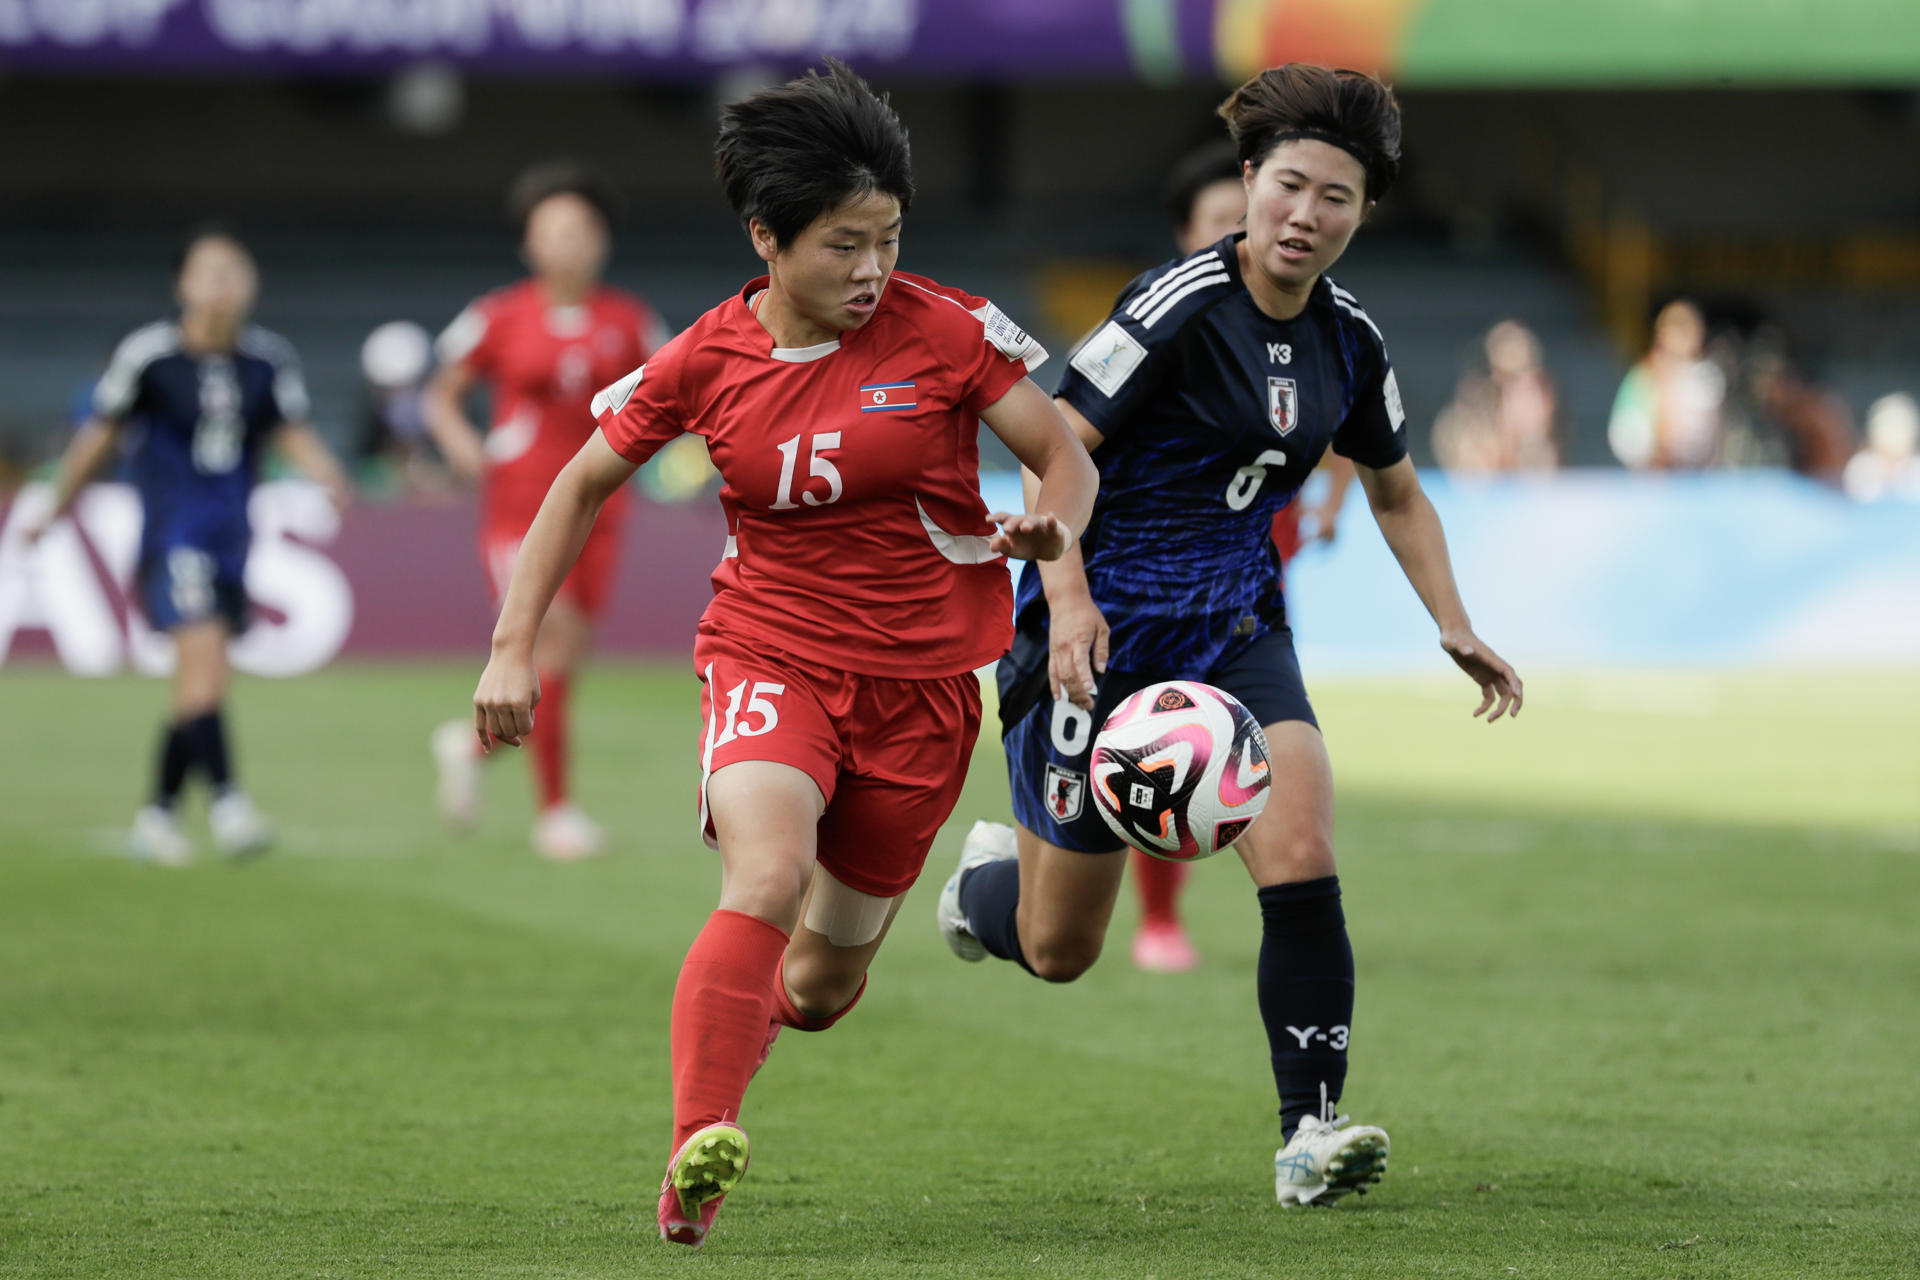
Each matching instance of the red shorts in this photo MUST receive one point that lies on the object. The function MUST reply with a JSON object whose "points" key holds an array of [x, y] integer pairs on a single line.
{"points": [[889, 755], [586, 584]]}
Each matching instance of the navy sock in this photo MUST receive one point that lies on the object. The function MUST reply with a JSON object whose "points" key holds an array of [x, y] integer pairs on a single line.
{"points": [[207, 742], [1306, 994], [990, 898], [176, 756]]}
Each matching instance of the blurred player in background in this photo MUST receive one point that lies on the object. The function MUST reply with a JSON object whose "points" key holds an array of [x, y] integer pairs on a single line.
{"points": [[860, 589], [541, 348], [1209, 397], [1206, 201], [198, 399]]}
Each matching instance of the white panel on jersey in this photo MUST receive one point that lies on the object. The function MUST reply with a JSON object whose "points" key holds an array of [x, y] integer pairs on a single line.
{"points": [[960, 548], [1172, 300], [114, 394], [1206, 264], [613, 397], [1390, 392], [1109, 357], [1010, 339], [457, 341]]}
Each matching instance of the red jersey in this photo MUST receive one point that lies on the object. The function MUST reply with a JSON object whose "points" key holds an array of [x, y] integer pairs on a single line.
{"points": [[858, 539], [541, 364]]}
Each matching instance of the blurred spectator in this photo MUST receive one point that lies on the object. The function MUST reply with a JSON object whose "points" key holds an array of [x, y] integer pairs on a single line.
{"points": [[1502, 417], [1668, 413], [1889, 467], [1815, 424], [395, 361], [1206, 199]]}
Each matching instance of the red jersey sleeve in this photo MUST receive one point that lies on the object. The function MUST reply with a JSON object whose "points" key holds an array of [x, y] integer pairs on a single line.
{"points": [[1002, 354], [644, 410], [473, 337]]}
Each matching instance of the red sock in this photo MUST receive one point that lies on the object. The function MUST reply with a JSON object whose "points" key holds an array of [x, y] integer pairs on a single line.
{"points": [[721, 1006], [787, 1014], [548, 741], [1159, 882]]}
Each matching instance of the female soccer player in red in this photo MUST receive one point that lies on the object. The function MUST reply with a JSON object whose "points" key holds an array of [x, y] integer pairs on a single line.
{"points": [[861, 586], [541, 347]]}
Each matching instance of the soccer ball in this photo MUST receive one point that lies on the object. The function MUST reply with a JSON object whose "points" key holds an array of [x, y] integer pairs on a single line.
{"points": [[1180, 770]]}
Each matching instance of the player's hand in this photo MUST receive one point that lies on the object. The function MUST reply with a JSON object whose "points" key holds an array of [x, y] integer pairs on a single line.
{"points": [[1326, 523], [1078, 652], [1499, 684], [1024, 537], [467, 460], [503, 704]]}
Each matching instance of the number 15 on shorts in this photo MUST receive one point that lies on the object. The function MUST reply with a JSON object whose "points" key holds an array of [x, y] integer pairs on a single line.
{"points": [[739, 722]]}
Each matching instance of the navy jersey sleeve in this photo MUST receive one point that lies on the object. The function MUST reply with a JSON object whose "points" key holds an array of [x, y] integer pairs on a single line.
{"points": [[1122, 363], [288, 388], [1374, 431], [118, 393]]}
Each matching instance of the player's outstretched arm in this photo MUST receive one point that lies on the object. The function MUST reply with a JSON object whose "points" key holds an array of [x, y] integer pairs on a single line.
{"points": [[1077, 630], [442, 406], [503, 704], [1412, 529], [307, 451], [91, 446], [1027, 423]]}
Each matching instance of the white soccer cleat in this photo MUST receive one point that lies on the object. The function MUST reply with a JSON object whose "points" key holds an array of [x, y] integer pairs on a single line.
{"points": [[454, 755], [156, 837], [987, 842], [1324, 1161], [238, 829], [564, 834]]}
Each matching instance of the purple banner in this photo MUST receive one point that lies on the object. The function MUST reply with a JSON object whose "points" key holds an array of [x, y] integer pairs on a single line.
{"points": [[656, 39], [374, 582]]}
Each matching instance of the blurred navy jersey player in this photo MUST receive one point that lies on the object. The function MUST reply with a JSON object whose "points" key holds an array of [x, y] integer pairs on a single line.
{"points": [[1209, 395], [196, 401]]}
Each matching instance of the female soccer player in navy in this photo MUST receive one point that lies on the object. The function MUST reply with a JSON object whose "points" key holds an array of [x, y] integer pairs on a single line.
{"points": [[860, 588], [1208, 397], [198, 399]]}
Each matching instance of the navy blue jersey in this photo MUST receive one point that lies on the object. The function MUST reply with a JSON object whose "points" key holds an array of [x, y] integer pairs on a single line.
{"points": [[1214, 414], [198, 423]]}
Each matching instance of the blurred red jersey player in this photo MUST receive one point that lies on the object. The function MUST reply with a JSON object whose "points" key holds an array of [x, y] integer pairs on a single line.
{"points": [[541, 347], [861, 586]]}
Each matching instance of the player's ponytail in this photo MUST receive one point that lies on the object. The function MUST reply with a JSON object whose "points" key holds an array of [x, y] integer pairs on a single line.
{"points": [[1346, 109]]}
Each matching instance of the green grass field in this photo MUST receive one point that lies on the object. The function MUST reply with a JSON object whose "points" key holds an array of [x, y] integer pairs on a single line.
{"points": [[1640, 996]]}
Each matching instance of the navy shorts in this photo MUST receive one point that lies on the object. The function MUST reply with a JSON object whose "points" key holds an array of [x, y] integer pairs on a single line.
{"points": [[1047, 742], [183, 584]]}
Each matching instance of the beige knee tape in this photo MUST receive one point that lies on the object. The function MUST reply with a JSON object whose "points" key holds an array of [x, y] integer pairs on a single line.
{"points": [[847, 916]]}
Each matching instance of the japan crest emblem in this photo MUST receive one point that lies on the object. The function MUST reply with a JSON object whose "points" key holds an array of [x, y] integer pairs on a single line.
{"points": [[1066, 793], [1283, 404]]}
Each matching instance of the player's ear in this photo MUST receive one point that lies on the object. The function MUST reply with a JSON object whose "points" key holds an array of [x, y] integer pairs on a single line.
{"points": [[764, 242], [1366, 209]]}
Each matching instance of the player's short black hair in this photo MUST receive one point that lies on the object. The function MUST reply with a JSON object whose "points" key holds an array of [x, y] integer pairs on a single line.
{"points": [[1218, 161], [558, 178], [201, 232], [790, 153], [1348, 109]]}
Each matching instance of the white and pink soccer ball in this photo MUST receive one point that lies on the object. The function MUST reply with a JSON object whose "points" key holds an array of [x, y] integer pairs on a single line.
{"points": [[1180, 770]]}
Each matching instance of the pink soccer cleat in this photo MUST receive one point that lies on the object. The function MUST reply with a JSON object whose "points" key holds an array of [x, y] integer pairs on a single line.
{"points": [[708, 1164], [1163, 948]]}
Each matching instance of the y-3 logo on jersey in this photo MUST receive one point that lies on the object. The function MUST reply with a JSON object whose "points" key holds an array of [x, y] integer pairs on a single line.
{"points": [[1279, 353], [1283, 404]]}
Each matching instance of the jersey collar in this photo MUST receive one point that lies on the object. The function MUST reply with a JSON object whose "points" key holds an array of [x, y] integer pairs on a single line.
{"points": [[752, 328]]}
